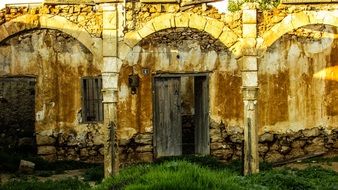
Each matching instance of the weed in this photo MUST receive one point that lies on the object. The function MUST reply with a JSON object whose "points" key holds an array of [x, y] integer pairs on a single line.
{"points": [[94, 174]]}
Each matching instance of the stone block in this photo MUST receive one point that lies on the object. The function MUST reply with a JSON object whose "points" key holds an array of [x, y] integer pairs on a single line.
{"points": [[266, 137], [223, 153], [237, 49], [110, 80], [273, 156], [132, 38], [216, 146], [111, 65], [109, 20], [228, 37], [314, 132], [146, 157], [26, 167], [146, 30], [263, 148], [42, 150], [298, 144], [182, 20], [124, 50], [164, 22], [110, 41], [250, 79], [44, 140], [3, 33], [147, 148], [330, 20], [249, 17], [270, 37], [26, 141], [317, 17], [295, 153], [109, 95], [197, 22], [249, 63], [85, 38], [249, 31], [144, 138], [300, 19], [214, 28]]}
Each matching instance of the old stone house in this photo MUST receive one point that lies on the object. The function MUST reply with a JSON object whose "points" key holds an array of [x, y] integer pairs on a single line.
{"points": [[142, 79]]}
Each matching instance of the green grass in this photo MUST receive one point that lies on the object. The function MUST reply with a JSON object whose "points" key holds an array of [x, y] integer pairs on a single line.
{"points": [[191, 172], [208, 173]]}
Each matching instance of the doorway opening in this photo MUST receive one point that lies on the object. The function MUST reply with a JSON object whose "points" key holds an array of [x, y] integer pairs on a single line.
{"points": [[181, 114], [17, 114]]}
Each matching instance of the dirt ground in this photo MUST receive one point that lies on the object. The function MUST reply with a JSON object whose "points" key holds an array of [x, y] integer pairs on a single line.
{"points": [[300, 165], [5, 177]]}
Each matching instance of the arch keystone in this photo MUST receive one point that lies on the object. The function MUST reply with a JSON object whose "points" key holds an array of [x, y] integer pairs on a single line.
{"points": [[299, 19], [182, 20], [197, 22]]}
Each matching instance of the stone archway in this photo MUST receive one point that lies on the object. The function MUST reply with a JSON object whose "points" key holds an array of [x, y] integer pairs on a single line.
{"points": [[297, 20], [189, 55], [215, 28], [29, 22]]}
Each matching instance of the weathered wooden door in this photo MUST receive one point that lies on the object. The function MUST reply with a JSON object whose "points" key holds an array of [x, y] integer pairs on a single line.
{"points": [[168, 130], [202, 116]]}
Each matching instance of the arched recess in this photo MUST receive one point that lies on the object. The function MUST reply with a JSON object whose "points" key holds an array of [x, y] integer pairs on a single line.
{"points": [[297, 20], [29, 22], [215, 28], [149, 54]]}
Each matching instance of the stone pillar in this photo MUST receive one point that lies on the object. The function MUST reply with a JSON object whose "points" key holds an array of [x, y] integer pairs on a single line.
{"points": [[250, 88], [112, 20]]}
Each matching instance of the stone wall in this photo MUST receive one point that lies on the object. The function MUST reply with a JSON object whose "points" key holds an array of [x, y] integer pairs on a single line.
{"points": [[17, 114], [58, 61], [88, 17], [297, 112], [138, 14]]}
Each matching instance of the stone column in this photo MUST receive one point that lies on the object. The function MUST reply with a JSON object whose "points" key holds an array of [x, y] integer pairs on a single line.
{"points": [[250, 88], [110, 74]]}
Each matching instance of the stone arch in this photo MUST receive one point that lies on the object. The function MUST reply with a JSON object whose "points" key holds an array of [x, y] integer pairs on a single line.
{"points": [[296, 20], [29, 22], [215, 28]]}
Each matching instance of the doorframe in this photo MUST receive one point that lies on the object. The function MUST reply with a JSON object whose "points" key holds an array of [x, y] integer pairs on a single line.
{"points": [[169, 75]]}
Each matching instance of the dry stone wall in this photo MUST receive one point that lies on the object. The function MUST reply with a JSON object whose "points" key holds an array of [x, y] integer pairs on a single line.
{"points": [[88, 17], [138, 14]]}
